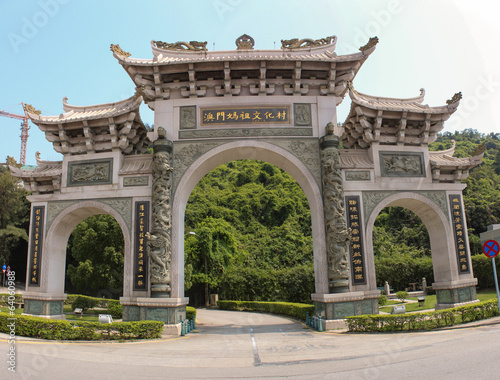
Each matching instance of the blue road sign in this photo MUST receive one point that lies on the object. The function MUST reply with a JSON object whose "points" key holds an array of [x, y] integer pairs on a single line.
{"points": [[491, 248]]}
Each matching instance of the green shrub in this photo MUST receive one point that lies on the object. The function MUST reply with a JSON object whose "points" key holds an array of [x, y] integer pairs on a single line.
{"points": [[402, 295], [295, 310], [37, 327], [424, 320], [190, 312], [115, 309], [83, 302], [382, 299]]}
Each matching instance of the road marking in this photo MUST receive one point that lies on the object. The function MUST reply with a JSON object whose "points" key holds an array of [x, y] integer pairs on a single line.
{"points": [[256, 358]]}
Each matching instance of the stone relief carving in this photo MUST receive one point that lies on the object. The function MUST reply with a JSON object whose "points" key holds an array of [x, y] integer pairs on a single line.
{"points": [[90, 172], [135, 181], [159, 244], [337, 234], [244, 132], [302, 114], [185, 155], [397, 164], [357, 175], [187, 117], [245, 42]]}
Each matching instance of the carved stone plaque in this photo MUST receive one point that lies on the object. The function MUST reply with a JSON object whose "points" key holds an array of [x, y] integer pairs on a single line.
{"points": [[187, 117], [136, 181], [357, 175], [302, 114], [402, 164], [88, 173]]}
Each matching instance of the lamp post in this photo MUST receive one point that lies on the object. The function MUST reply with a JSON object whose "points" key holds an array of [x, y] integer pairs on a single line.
{"points": [[207, 298]]}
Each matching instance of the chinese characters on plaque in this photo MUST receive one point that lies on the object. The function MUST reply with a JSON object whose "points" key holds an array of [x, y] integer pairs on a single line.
{"points": [[356, 246], [248, 115], [36, 244], [460, 233], [140, 258]]}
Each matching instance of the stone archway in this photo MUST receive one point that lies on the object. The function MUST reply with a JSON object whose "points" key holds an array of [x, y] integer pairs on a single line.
{"points": [[56, 239], [444, 258], [258, 150]]}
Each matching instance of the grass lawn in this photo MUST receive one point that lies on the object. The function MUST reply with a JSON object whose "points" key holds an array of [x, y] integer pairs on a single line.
{"points": [[430, 301]]}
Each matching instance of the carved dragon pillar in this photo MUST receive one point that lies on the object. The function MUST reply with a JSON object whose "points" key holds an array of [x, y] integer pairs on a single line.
{"points": [[337, 235], [159, 245]]}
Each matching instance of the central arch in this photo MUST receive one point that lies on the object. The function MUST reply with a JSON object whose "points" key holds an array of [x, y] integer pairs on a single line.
{"points": [[256, 150]]}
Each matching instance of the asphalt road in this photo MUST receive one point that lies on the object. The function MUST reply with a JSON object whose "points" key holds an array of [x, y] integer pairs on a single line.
{"points": [[237, 345]]}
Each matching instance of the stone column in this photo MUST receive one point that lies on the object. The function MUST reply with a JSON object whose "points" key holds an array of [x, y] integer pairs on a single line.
{"points": [[159, 245], [337, 235]]}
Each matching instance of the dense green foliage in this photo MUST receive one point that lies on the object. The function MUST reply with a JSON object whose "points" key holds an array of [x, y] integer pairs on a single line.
{"points": [[95, 257], [14, 221], [424, 320], [253, 225], [37, 327], [295, 310]]}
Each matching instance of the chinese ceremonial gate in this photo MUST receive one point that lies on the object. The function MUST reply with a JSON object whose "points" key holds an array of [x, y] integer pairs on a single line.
{"points": [[277, 106]]}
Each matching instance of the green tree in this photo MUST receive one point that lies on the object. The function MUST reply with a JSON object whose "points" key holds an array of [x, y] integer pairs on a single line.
{"points": [[14, 218], [95, 256]]}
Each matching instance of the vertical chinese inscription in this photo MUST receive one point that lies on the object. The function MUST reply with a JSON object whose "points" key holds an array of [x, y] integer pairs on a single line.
{"points": [[356, 246], [459, 231], [140, 261], [36, 244]]}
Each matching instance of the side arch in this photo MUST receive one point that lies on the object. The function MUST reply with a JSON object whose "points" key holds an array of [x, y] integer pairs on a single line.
{"points": [[255, 150], [444, 259], [56, 239]]}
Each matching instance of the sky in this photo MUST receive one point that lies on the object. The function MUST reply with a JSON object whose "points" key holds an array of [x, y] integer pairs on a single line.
{"points": [[50, 49]]}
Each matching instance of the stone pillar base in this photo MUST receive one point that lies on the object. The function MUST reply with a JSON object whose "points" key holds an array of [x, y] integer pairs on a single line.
{"points": [[455, 293], [333, 308], [168, 310], [44, 305]]}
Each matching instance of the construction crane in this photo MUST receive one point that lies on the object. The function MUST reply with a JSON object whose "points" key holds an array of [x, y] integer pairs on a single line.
{"points": [[24, 127]]}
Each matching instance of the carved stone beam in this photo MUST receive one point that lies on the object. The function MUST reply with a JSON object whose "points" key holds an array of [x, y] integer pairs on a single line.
{"points": [[63, 137], [227, 78], [192, 80], [297, 77], [262, 79], [157, 79], [401, 131], [378, 125], [89, 137]]}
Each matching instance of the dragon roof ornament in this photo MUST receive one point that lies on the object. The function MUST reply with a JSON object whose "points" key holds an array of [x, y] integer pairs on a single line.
{"points": [[118, 51], [295, 43], [30, 109], [371, 43], [455, 98], [182, 45]]}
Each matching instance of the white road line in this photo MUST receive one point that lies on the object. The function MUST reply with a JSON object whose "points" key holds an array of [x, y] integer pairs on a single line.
{"points": [[256, 358]]}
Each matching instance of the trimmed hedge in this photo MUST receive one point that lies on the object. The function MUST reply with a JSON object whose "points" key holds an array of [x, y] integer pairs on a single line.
{"points": [[190, 312], [423, 321], [36, 327], [295, 310]]}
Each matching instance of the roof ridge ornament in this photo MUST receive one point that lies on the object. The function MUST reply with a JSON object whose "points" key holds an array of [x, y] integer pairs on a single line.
{"points": [[245, 42], [182, 45], [455, 98], [118, 51], [304, 43], [479, 150], [371, 43], [30, 109]]}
